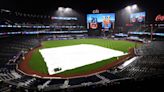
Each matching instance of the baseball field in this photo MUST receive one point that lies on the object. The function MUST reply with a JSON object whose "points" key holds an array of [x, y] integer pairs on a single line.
{"points": [[37, 61]]}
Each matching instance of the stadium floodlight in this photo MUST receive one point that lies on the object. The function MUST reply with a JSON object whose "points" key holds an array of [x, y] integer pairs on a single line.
{"points": [[68, 9], [131, 8], [134, 6], [61, 9], [128, 8]]}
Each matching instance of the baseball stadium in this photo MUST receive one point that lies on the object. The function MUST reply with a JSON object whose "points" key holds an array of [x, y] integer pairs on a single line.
{"points": [[77, 46]]}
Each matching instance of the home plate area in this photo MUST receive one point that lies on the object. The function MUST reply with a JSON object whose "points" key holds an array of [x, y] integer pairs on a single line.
{"points": [[64, 58]]}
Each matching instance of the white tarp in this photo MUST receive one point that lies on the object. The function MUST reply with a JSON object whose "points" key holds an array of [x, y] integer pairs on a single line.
{"points": [[70, 57]]}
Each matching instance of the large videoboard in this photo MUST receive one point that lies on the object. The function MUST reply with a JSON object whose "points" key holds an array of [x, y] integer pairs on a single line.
{"points": [[137, 17], [103, 20]]}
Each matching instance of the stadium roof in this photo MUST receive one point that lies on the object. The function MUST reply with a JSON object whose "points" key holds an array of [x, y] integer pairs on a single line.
{"points": [[84, 6]]}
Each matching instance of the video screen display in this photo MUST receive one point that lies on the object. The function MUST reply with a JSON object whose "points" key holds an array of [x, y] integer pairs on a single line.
{"points": [[104, 20], [137, 17]]}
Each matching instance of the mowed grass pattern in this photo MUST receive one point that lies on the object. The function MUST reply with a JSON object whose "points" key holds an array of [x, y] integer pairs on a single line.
{"points": [[37, 63]]}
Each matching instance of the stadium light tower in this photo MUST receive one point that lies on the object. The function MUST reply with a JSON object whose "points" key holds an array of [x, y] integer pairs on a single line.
{"points": [[64, 10], [68, 9], [134, 6], [131, 8], [128, 8], [61, 9]]}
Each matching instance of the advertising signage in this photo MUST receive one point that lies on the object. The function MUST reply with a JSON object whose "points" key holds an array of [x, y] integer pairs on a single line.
{"points": [[159, 18], [137, 17], [102, 20]]}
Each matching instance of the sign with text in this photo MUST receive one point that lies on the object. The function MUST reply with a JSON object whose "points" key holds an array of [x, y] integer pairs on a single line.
{"points": [[159, 17]]}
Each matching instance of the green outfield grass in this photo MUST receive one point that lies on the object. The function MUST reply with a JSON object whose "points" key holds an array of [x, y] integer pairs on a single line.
{"points": [[89, 67], [37, 63]]}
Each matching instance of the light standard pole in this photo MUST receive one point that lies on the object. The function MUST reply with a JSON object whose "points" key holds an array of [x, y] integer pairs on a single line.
{"points": [[130, 10]]}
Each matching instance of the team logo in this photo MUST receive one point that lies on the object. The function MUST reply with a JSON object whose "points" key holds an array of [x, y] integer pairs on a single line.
{"points": [[134, 19], [93, 25], [140, 19]]}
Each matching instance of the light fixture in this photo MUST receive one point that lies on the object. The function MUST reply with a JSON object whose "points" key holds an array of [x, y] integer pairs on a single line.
{"points": [[61, 9], [128, 8], [67, 9], [134, 6]]}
